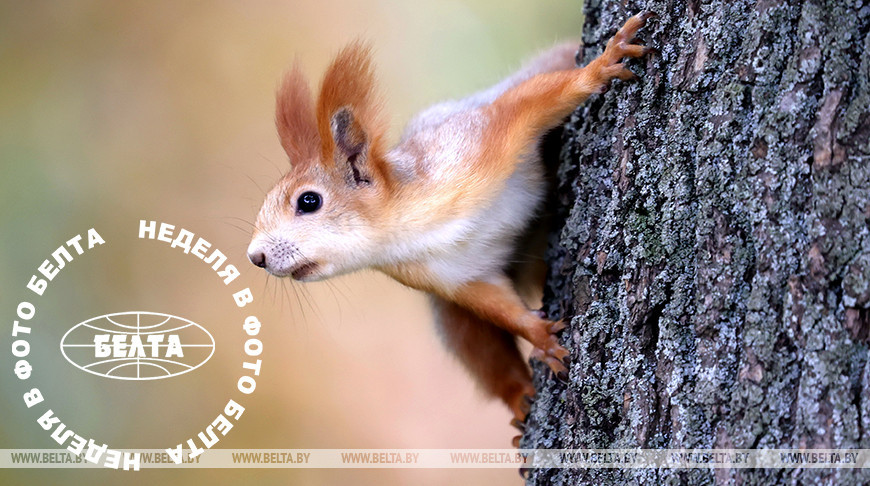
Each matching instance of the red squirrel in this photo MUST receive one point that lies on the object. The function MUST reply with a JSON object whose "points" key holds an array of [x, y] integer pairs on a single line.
{"points": [[442, 210]]}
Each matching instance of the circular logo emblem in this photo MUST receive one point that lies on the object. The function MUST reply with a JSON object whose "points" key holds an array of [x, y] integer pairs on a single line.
{"points": [[135, 345]]}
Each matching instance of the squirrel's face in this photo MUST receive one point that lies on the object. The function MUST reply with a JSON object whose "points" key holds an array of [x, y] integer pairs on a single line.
{"points": [[322, 218], [315, 223]]}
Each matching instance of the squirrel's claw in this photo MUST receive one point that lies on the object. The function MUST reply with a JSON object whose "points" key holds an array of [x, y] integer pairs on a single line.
{"points": [[547, 347], [556, 326], [524, 470], [519, 421], [526, 405], [552, 357], [623, 44]]}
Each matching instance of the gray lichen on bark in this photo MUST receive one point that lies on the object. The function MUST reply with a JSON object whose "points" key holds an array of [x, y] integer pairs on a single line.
{"points": [[714, 259]]}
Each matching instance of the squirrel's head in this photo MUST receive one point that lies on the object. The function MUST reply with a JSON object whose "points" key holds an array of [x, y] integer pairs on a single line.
{"points": [[321, 219]]}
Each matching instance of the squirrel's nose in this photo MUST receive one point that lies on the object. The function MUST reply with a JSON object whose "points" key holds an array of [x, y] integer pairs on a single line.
{"points": [[258, 258]]}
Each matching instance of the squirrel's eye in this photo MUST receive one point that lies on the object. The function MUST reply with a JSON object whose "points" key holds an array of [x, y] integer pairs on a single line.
{"points": [[308, 202]]}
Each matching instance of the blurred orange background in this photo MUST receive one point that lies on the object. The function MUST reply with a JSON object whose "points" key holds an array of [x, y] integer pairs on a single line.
{"points": [[114, 112]]}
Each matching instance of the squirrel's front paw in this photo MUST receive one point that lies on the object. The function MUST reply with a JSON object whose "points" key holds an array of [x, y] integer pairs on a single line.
{"points": [[547, 347], [621, 46]]}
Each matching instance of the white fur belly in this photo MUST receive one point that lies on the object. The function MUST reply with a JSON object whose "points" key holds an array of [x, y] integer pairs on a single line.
{"points": [[488, 238]]}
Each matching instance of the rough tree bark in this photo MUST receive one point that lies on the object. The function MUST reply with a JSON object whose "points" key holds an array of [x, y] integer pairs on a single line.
{"points": [[713, 257]]}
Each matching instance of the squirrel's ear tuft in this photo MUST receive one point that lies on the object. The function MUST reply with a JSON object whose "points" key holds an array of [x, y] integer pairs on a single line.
{"points": [[295, 119], [349, 118]]}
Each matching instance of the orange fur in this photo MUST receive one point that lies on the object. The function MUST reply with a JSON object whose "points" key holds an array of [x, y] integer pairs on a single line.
{"points": [[294, 118], [499, 303], [441, 211], [514, 121], [488, 352], [523, 113], [349, 82]]}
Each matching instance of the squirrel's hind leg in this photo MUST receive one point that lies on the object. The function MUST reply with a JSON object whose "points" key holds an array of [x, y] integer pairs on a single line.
{"points": [[489, 353]]}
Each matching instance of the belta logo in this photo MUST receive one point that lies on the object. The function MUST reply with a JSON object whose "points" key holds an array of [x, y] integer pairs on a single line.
{"points": [[137, 345]]}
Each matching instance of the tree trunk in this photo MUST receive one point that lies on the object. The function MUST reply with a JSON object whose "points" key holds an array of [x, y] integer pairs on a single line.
{"points": [[713, 256]]}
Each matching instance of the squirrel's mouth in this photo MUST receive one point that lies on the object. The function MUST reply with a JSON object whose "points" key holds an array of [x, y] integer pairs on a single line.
{"points": [[303, 270]]}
